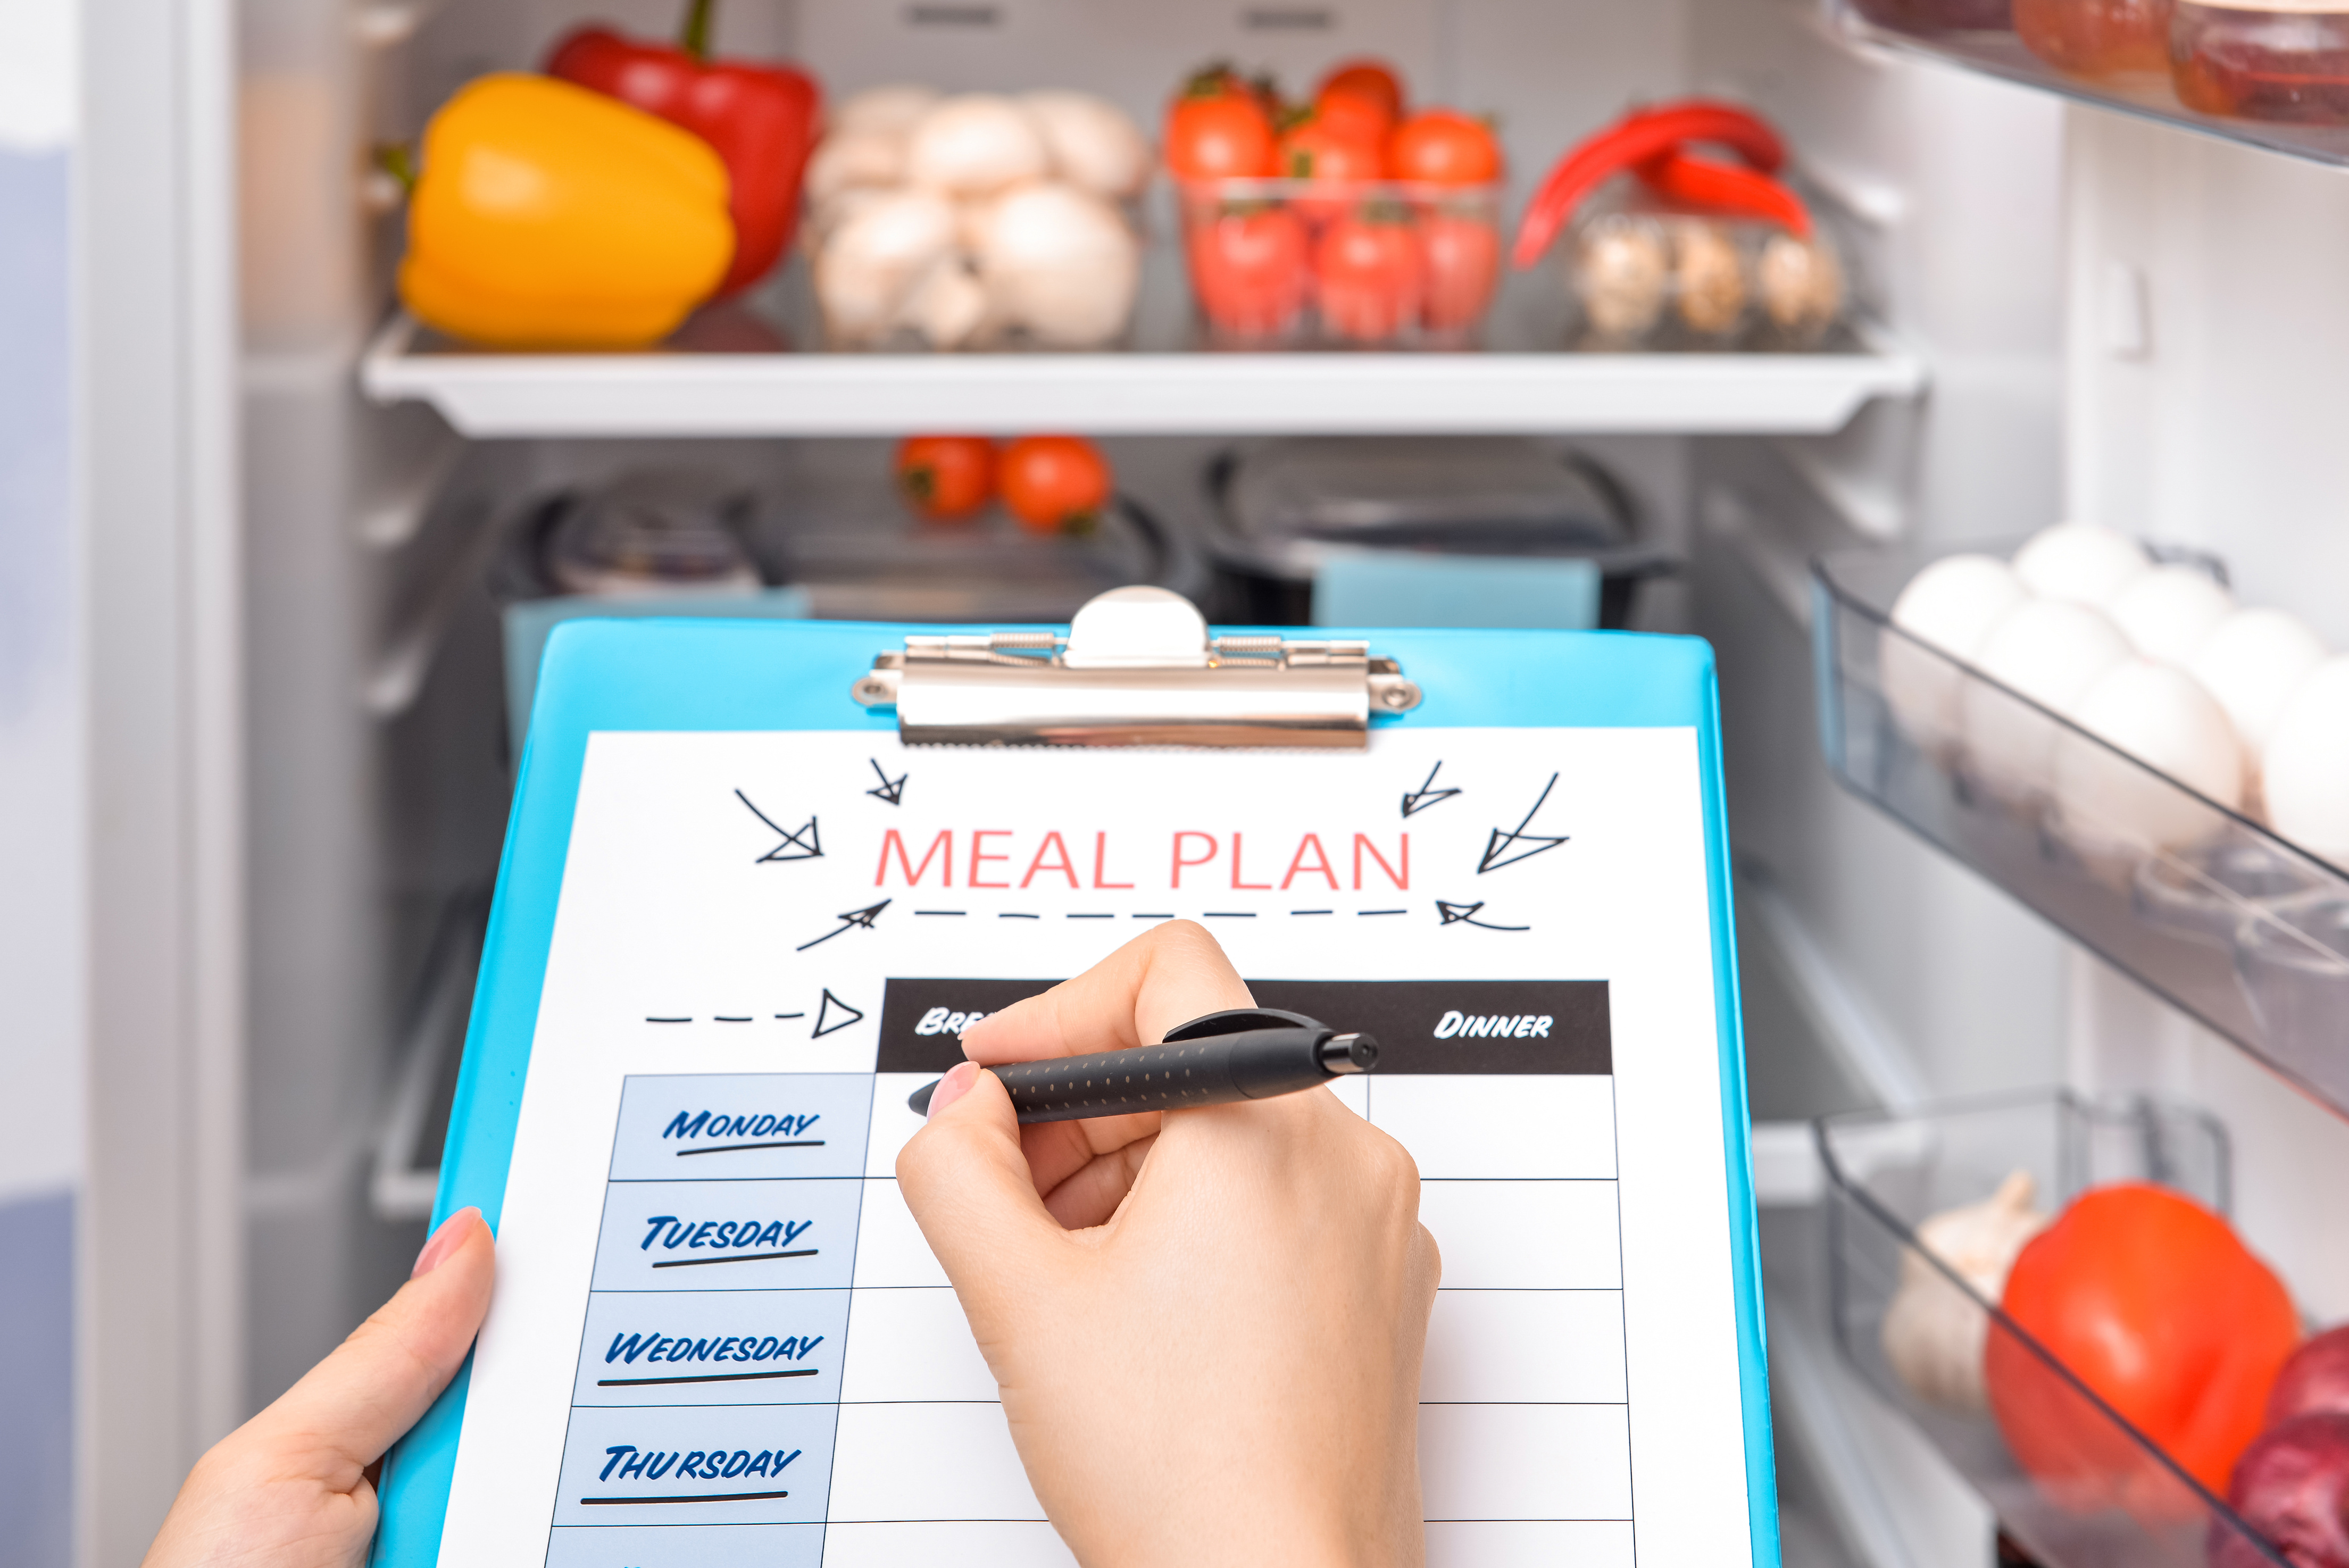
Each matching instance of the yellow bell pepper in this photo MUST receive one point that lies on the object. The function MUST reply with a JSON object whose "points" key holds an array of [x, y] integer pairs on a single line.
{"points": [[548, 216]]}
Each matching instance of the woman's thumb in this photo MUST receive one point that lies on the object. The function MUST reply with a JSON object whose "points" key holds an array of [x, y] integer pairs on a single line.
{"points": [[967, 1180], [352, 1406]]}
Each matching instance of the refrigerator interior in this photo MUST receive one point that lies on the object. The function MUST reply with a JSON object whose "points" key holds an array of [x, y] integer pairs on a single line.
{"points": [[2121, 322]]}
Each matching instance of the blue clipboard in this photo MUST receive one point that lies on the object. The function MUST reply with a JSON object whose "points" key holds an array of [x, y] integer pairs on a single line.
{"points": [[724, 676]]}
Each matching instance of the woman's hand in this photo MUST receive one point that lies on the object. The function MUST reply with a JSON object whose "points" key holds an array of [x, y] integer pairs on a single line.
{"points": [[289, 1489], [1206, 1328]]}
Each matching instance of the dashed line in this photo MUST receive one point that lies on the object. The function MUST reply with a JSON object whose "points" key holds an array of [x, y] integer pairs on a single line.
{"points": [[955, 913], [741, 1018], [1154, 917], [1007, 914], [668, 1020], [1231, 914], [790, 1015], [1312, 911], [1371, 912], [1090, 917]]}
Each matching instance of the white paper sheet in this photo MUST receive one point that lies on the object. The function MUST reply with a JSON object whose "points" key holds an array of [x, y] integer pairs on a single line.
{"points": [[724, 1341]]}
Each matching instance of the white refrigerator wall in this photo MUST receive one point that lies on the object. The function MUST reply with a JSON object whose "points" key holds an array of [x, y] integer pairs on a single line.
{"points": [[2208, 323]]}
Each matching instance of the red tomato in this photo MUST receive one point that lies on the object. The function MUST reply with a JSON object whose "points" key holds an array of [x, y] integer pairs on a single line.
{"points": [[945, 476], [1251, 269], [1444, 147], [1463, 256], [1352, 111], [2152, 1301], [1367, 275], [1054, 484], [1375, 78], [1219, 136], [1316, 148]]}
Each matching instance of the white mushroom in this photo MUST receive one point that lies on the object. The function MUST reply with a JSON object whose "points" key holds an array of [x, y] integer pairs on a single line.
{"points": [[1933, 1333], [975, 144], [823, 217], [1062, 264], [891, 110], [950, 308], [1093, 145], [871, 263], [846, 160]]}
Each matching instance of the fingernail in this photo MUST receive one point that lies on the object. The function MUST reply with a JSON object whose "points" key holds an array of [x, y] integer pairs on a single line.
{"points": [[446, 1240], [954, 1086]]}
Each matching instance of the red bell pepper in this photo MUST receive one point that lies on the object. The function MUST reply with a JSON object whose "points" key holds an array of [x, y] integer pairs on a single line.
{"points": [[761, 118]]}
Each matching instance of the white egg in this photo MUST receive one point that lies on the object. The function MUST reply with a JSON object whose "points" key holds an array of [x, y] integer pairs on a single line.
{"points": [[2167, 613], [2080, 562], [2050, 652], [2307, 764], [1950, 605], [2252, 662], [2161, 717]]}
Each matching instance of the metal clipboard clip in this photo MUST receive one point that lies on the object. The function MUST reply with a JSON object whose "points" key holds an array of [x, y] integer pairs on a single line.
{"points": [[1136, 668]]}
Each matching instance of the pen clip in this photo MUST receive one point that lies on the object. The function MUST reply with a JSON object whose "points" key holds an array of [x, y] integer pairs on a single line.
{"points": [[1236, 1020]]}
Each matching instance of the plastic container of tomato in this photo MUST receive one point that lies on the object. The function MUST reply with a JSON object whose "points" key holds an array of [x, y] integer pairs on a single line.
{"points": [[1311, 264], [2122, 1499]]}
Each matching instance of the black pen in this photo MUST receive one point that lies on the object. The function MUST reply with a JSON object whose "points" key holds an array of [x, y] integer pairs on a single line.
{"points": [[1249, 1053]]}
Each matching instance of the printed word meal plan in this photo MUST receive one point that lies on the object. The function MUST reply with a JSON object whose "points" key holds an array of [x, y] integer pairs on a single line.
{"points": [[718, 1337]]}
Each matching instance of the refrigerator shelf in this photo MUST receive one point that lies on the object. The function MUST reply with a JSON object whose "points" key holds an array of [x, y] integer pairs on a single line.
{"points": [[671, 393], [1999, 53], [2201, 905], [2123, 1499]]}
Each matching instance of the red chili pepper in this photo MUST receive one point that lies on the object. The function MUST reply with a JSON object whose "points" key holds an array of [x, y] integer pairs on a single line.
{"points": [[1727, 188], [760, 119], [1636, 137]]}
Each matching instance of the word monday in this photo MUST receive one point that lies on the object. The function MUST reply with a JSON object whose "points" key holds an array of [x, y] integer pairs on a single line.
{"points": [[994, 858]]}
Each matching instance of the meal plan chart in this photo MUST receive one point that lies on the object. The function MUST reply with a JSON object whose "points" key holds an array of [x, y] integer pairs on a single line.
{"points": [[718, 1337]]}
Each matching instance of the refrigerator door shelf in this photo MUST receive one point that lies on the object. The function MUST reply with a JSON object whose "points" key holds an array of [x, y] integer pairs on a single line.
{"points": [[1998, 52], [672, 393], [2202, 905], [2123, 1498]]}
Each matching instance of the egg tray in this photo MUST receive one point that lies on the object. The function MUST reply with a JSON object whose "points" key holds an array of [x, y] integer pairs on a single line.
{"points": [[2236, 926], [2124, 1502]]}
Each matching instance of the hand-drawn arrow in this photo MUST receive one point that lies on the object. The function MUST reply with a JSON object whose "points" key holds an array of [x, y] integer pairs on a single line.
{"points": [[851, 921], [824, 1022], [892, 790], [1498, 848], [1463, 914], [801, 845], [1427, 794]]}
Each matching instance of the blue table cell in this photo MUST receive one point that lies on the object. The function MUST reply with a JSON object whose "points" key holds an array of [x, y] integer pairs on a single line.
{"points": [[718, 1125], [746, 1464], [728, 1235], [713, 1347], [708, 1546]]}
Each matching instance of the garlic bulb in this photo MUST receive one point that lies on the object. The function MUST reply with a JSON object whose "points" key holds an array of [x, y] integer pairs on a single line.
{"points": [[1094, 145], [1622, 277], [973, 144], [1934, 1334], [872, 261], [1711, 298], [1061, 263], [890, 111]]}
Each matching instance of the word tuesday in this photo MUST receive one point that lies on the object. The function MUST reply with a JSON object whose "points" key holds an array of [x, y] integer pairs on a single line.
{"points": [[991, 853]]}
